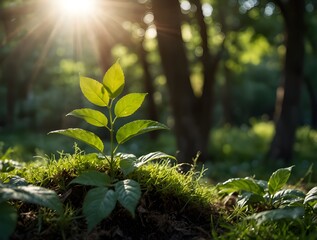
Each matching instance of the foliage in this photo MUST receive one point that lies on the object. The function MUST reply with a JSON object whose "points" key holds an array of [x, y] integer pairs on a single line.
{"points": [[18, 189], [101, 200], [165, 192], [7, 164], [270, 200], [238, 151], [280, 216]]}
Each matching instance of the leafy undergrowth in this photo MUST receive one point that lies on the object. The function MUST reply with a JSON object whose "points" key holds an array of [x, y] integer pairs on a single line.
{"points": [[172, 205]]}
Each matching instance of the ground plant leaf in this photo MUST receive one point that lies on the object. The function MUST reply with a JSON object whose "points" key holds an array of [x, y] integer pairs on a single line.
{"points": [[8, 165], [32, 194], [240, 184], [127, 163], [129, 193], [18, 181], [278, 179], [8, 220], [137, 127], [85, 136], [247, 198], [128, 104], [94, 91], [98, 204], [311, 196], [92, 178], [91, 116], [113, 80], [287, 213], [151, 157], [288, 196]]}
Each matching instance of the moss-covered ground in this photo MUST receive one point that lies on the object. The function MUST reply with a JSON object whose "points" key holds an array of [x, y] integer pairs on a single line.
{"points": [[173, 206]]}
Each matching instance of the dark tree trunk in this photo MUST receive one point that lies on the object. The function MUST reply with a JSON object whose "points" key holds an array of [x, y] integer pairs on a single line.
{"points": [[289, 92], [205, 102], [312, 39], [149, 87], [175, 64], [104, 51], [226, 97], [313, 101], [11, 69], [192, 115]]}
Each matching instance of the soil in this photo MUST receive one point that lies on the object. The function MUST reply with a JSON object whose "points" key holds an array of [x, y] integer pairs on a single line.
{"points": [[157, 217]]}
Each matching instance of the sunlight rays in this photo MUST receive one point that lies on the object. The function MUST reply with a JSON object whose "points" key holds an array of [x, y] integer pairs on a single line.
{"points": [[44, 53], [76, 7], [85, 26]]}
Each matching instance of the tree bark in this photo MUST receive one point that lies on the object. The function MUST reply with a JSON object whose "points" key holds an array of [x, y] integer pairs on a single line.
{"points": [[288, 98], [149, 87], [226, 97], [210, 63], [192, 115], [175, 64], [313, 101]]}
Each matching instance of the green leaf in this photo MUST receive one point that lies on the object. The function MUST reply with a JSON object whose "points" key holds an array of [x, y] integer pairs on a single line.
{"points": [[127, 163], [240, 184], [261, 183], [92, 178], [311, 196], [249, 198], [288, 196], [128, 104], [129, 193], [94, 91], [132, 129], [91, 116], [32, 194], [8, 165], [287, 213], [113, 80], [278, 179], [98, 205], [85, 136], [8, 220], [151, 157], [18, 181]]}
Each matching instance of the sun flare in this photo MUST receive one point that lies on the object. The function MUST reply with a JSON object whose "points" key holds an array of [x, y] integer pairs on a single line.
{"points": [[76, 7]]}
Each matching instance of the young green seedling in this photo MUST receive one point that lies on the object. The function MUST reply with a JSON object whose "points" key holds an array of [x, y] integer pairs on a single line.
{"points": [[101, 200]]}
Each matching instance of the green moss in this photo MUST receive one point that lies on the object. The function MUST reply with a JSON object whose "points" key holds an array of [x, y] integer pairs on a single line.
{"points": [[167, 180], [165, 193], [160, 177]]}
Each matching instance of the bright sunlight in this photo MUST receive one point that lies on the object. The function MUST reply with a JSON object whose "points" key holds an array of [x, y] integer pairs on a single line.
{"points": [[77, 7]]}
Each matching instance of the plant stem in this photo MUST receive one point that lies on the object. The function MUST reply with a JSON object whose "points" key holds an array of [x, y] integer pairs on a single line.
{"points": [[111, 130]]}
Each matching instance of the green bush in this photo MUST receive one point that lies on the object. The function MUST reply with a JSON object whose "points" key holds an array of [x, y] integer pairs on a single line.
{"points": [[241, 151]]}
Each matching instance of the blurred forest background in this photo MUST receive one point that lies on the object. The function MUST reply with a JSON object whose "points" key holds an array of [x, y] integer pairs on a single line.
{"points": [[235, 80]]}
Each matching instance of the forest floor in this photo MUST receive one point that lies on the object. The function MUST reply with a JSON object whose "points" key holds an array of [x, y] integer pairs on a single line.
{"points": [[156, 218], [172, 206]]}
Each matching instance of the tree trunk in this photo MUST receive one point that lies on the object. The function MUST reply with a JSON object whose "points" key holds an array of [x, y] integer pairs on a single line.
{"points": [[313, 101], [149, 87], [175, 64], [289, 93], [205, 102], [226, 97], [11, 70]]}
